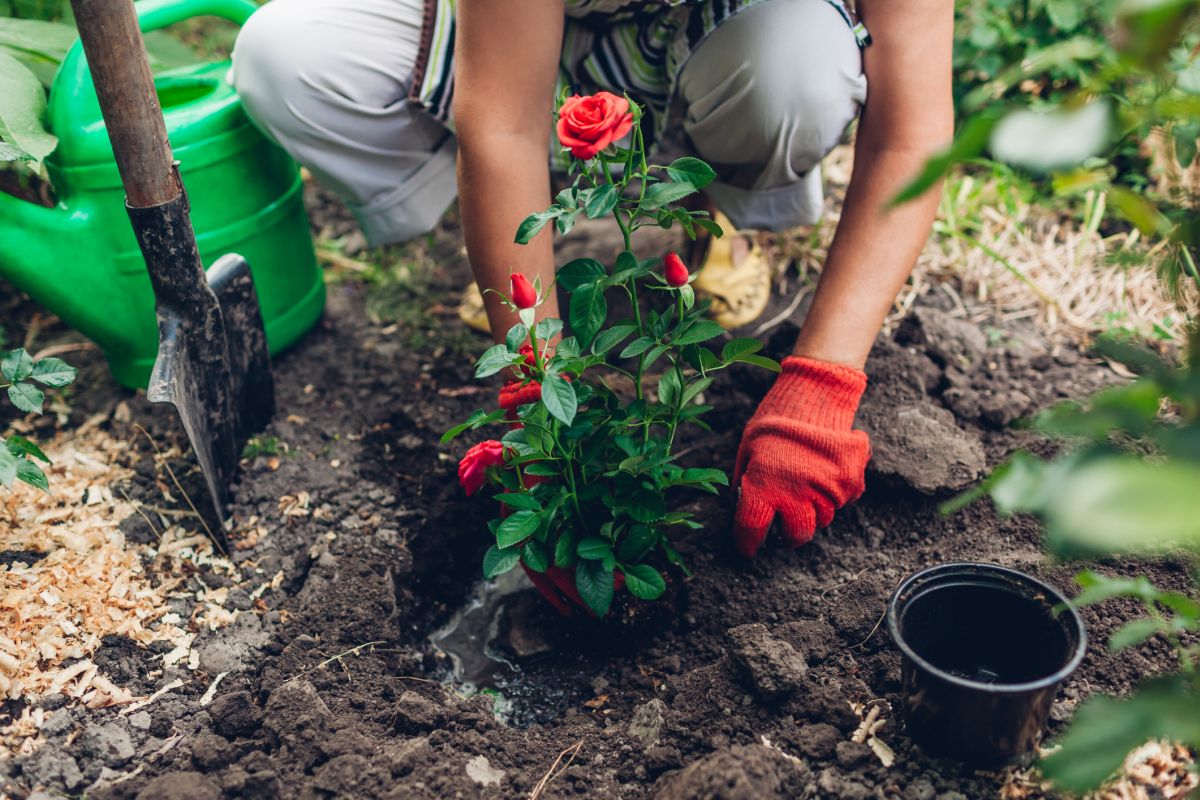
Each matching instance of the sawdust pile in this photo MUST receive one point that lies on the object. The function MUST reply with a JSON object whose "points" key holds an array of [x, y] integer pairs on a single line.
{"points": [[80, 581]]}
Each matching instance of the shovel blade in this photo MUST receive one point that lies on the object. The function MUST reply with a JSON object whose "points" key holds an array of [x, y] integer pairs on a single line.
{"points": [[214, 368]]}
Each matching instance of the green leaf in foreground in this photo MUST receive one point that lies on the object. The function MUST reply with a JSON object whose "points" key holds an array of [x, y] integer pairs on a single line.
{"points": [[602, 201], [535, 556], [969, 143], [497, 561], [8, 466], [494, 359], [587, 312], [20, 446], [32, 474], [691, 170], [559, 396], [644, 581], [26, 397], [22, 110], [1133, 633], [16, 366], [662, 194], [53, 372], [1105, 730], [580, 272], [531, 225], [595, 585], [517, 528]]}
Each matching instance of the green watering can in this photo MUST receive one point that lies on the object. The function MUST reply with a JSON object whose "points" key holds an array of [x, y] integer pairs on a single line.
{"points": [[81, 260]]}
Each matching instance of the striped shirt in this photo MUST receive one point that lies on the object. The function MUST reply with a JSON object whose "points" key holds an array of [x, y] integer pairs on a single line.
{"points": [[634, 47]]}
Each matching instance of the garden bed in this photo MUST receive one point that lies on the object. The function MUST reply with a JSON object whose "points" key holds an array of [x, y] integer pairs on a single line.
{"points": [[354, 544]]}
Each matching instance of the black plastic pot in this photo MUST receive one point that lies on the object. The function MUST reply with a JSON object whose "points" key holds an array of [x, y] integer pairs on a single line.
{"points": [[984, 651]]}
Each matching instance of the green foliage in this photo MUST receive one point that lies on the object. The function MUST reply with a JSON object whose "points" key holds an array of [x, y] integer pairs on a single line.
{"points": [[263, 445], [1069, 93], [1105, 730], [20, 376], [1127, 485], [589, 468], [35, 36]]}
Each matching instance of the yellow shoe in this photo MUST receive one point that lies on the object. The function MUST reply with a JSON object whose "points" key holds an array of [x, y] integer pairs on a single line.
{"points": [[471, 310], [739, 291]]}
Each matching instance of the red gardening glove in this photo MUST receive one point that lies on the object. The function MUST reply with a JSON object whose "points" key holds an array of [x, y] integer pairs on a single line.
{"points": [[515, 394], [799, 458]]}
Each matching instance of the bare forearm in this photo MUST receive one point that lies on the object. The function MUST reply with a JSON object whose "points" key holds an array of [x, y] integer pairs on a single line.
{"points": [[872, 255], [908, 117], [503, 102], [501, 183]]}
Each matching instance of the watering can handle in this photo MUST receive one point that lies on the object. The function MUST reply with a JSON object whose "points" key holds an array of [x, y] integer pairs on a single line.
{"points": [[152, 15]]}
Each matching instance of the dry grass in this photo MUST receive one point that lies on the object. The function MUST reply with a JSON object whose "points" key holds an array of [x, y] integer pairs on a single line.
{"points": [[1008, 259]]}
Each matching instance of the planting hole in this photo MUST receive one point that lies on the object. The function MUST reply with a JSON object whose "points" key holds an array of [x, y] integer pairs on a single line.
{"points": [[986, 633], [495, 645]]}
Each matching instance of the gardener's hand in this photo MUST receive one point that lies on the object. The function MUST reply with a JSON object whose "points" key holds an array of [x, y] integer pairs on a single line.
{"points": [[799, 458]]}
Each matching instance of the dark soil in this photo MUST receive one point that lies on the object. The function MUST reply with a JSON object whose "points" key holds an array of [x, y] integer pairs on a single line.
{"points": [[678, 704]]}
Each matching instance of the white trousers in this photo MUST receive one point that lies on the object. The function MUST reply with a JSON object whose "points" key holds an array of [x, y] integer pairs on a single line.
{"points": [[764, 98]]}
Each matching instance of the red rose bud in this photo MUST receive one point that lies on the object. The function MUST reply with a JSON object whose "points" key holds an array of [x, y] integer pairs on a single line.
{"points": [[523, 293], [674, 270], [472, 470]]}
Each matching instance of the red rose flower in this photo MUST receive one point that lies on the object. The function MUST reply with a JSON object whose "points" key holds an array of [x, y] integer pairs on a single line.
{"points": [[472, 470], [589, 124], [674, 270], [523, 293]]}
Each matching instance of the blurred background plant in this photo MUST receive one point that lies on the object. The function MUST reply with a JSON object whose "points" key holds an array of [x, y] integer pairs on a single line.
{"points": [[1103, 100], [1085, 101], [35, 35]]}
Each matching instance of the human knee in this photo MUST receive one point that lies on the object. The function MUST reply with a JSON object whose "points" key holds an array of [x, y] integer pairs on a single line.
{"points": [[793, 75], [270, 61]]}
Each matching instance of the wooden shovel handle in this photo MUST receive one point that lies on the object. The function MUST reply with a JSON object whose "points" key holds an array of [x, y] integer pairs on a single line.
{"points": [[120, 70]]}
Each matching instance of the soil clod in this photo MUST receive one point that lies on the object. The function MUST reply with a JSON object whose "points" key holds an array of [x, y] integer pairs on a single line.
{"points": [[771, 666]]}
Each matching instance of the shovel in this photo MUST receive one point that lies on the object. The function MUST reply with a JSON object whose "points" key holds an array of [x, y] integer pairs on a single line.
{"points": [[213, 366]]}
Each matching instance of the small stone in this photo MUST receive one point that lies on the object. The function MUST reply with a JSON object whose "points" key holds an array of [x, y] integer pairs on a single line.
{"points": [[53, 702], [180, 786], [59, 723], [854, 754], [109, 743], [480, 770], [211, 752], [772, 666], [920, 789], [921, 445], [416, 713], [952, 342], [747, 772], [140, 720], [647, 723], [235, 714], [660, 759], [819, 741], [1002, 410]]}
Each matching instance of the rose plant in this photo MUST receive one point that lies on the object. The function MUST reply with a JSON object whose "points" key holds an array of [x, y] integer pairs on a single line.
{"points": [[20, 376], [586, 466]]}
